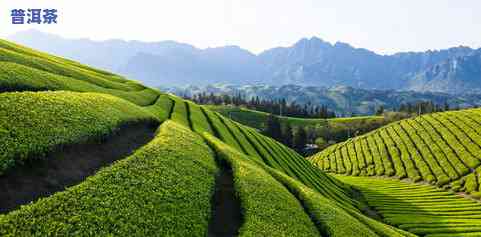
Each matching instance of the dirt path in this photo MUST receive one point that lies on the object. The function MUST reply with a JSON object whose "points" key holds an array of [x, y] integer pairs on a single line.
{"points": [[69, 166], [226, 214]]}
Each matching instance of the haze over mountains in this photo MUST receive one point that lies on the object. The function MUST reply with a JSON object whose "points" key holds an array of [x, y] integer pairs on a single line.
{"points": [[309, 62]]}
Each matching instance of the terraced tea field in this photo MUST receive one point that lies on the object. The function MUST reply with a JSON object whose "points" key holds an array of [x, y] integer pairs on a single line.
{"points": [[85, 152], [419, 208], [442, 149], [56, 118]]}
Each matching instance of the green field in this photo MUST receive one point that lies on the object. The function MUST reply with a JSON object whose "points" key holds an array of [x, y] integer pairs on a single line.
{"points": [[167, 186]]}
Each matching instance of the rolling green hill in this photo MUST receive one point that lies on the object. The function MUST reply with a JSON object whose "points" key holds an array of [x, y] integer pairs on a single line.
{"points": [[166, 187], [441, 149]]}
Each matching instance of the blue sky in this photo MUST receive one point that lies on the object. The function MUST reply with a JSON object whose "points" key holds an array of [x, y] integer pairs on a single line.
{"points": [[384, 26]]}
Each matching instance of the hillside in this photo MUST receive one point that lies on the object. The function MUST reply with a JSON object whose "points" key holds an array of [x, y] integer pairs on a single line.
{"points": [[87, 152], [440, 149], [308, 62]]}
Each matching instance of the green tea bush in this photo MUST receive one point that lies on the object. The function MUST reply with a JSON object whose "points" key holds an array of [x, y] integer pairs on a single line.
{"points": [[441, 148], [30, 52], [64, 70], [163, 189], [162, 107], [16, 77], [419, 208], [327, 215], [200, 123], [35, 123], [179, 113], [268, 208], [242, 139]]}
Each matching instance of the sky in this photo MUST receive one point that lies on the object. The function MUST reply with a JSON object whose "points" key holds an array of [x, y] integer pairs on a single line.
{"points": [[383, 26]]}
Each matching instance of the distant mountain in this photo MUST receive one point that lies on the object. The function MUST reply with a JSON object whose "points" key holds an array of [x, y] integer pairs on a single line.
{"points": [[309, 62], [199, 67], [111, 54], [314, 62], [154, 63], [455, 75], [344, 100]]}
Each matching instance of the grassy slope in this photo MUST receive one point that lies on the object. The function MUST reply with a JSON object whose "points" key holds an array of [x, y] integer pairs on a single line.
{"points": [[162, 107], [277, 156]]}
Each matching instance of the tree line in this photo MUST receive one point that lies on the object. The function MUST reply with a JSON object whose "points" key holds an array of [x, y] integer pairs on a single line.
{"points": [[294, 138], [273, 106], [425, 107], [419, 108]]}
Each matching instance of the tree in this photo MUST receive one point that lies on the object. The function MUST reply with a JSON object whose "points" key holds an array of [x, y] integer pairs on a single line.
{"points": [[321, 143], [273, 128], [311, 134], [380, 110], [446, 106], [287, 135], [300, 139]]}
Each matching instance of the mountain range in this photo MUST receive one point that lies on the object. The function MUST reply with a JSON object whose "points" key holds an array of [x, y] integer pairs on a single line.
{"points": [[309, 62]]}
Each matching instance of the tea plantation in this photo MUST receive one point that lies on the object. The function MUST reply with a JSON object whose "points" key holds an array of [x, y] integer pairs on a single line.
{"points": [[441, 149], [178, 183], [420, 208]]}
